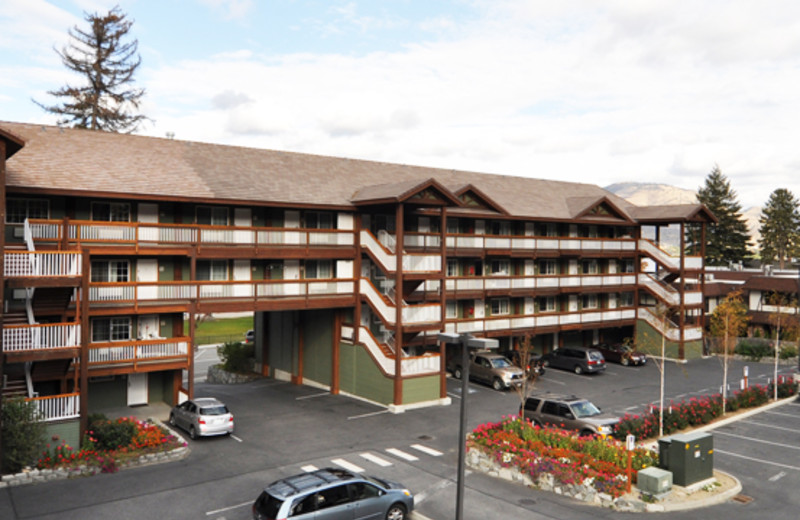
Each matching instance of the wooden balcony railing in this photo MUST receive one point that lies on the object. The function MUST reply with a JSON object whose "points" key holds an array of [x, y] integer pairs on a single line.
{"points": [[139, 233], [542, 319], [22, 338], [42, 263], [137, 352], [57, 407], [129, 292], [499, 282]]}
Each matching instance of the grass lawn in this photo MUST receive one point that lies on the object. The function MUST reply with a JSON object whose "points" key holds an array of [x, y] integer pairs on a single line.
{"points": [[221, 330]]}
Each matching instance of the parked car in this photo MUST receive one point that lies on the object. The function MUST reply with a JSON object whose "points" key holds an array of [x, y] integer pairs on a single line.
{"points": [[202, 416], [333, 494], [535, 364], [250, 336], [569, 412], [490, 368], [620, 353], [577, 359]]}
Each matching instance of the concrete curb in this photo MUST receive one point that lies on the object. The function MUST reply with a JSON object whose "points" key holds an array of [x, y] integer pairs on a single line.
{"points": [[715, 499]]}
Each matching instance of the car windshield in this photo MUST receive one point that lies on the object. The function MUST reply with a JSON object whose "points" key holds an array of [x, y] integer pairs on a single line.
{"points": [[214, 410], [500, 363], [583, 409]]}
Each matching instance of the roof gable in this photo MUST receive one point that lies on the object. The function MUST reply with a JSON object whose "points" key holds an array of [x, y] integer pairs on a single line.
{"points": [[597, 209], [427, 192], [472, 198]]}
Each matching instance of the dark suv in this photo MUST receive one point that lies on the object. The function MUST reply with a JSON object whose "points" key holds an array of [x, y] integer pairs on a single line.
{"points": [[579, 360], [333, 494], [569, 412]]}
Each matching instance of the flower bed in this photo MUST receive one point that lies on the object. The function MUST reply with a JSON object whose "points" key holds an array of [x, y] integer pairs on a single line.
{"points": [[136, 439], [699, 411], [569, 459]]}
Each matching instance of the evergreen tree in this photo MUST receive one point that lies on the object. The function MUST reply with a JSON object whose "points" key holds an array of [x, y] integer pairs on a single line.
{"points": [[727, 240], [107, 100], [780, 228]]}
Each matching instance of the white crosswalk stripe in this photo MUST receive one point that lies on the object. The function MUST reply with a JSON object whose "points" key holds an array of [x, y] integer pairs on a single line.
{"points": [[377, 460], [348, 466], [402, 454], [309, 468], [425, 449]]}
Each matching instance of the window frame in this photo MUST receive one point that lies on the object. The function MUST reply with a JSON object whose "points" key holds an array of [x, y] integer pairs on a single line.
{"points": [[25, 212]]}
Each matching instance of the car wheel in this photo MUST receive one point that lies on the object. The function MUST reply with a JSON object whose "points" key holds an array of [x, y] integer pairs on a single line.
{"points": [[626, 361], [457, 373], [172, 419], [192, 432], [396, 512], [578, 369], [497, 384], [586, 433]]}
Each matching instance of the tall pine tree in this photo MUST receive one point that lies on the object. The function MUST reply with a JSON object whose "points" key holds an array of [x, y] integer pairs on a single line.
{"points": [[780, 228], [106, 100], [727, 240]]}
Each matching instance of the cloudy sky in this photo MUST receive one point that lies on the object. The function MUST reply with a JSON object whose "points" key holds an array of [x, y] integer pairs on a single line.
{"points": [[578, 90]]}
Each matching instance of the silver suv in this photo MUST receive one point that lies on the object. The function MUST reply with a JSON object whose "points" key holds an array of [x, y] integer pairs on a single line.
{"points": [[333, 494], [490, 368], [569, 412]]}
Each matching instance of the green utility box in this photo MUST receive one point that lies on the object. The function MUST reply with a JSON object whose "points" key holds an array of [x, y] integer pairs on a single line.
{"points": [[690, 457]]}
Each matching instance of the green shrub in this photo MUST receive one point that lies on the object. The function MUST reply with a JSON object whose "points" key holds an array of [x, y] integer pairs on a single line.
{"points": [[754, 350], [111, 435], [22, 435], [788, 352], [236, 356]]}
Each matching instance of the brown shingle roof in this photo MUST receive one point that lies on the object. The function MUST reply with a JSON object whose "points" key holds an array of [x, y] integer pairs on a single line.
{"points": [[129, 165]]}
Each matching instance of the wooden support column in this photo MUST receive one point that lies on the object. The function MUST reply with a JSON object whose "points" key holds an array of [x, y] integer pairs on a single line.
{"points": [[703, 274], [443, 298], [192, 327], [335, 357], [682, 293], [86, 264], [2, 268], [357, 280], [398, 291]]}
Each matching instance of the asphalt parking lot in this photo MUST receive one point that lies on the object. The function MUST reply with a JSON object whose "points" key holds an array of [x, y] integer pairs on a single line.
{"points": [[284, 429]]}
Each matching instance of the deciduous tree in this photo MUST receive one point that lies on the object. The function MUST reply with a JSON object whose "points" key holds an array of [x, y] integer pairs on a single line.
{"points": [[727, 322], [106, 99]]}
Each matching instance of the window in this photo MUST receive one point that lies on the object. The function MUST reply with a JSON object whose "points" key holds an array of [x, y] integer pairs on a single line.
{"points": [[212, 215], [110, 271], [550, 408], [331, 497], [451, 309], [626, 299], [499, 266], [212, 270], [111, 329], [551, 230], [17, 210], [500, 306], [500, 227], [362, 490], [318, 220], [452, 267], [111, 211], [319, 269], [591, 267], [590, 301], [452, 225], [547, 304], [547, 267]]}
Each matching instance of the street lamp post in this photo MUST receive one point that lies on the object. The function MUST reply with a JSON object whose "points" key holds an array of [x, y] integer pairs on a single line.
{"points": [[466, 341]]}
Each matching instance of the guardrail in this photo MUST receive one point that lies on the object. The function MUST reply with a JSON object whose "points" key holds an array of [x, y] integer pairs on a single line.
{"points": [[21, 338], [42, 263], [57, 407]]}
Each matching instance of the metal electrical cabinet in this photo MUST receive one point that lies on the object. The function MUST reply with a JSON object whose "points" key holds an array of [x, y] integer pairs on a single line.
{"points": [[690, 457]]}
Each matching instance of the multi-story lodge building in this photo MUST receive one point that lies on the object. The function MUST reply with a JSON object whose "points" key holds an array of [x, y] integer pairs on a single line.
{"points": [[114, 243]]}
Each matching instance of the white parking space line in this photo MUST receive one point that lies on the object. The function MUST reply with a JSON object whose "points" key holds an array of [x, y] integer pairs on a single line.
{"points": [[777, 477], [346, 465], [218, 511], [375, 459], [768, 463], [402, 454], [234, 437], [771, 426], [789, 446], [311, 396], [309, 468], [425, 449], [792, 415], [370, 414]]}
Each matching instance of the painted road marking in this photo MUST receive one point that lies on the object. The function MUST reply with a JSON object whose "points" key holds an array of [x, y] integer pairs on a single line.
{"points": [[769, 426], [370, 414], [717, 432], [309, 468], [792, 415], [425, 449], [402, 454], [377, 460], [311, 396], [217, 511], [234, 437], [346, 465], [777, 477], [778, 464]]}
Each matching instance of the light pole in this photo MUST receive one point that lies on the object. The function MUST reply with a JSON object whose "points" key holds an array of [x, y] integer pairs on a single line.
{"points": [[467, 341]]}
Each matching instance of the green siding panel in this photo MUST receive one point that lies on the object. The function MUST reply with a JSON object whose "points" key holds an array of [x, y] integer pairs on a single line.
{"points": [[318, 345], [648, 340], [67, 431], [108, 394], [359, 375], [420, 389]]}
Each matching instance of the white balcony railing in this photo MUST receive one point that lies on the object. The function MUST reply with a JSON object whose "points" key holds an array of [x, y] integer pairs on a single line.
{"points": [[494, 323], [132, 352], [44, 263], [57, 407], [409, 365], [21, 338]]}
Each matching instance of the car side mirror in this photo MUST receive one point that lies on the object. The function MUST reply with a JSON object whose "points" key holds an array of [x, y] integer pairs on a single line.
{"points": [[569, 415]]}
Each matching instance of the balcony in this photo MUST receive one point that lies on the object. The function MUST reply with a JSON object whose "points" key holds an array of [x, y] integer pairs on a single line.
{"points": [[88, 232], [382, 252], [35, 264], [41, 338], [596, 317], [409, 365], [57, 407], [140, 354], [534, 282], [423, 314]]}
